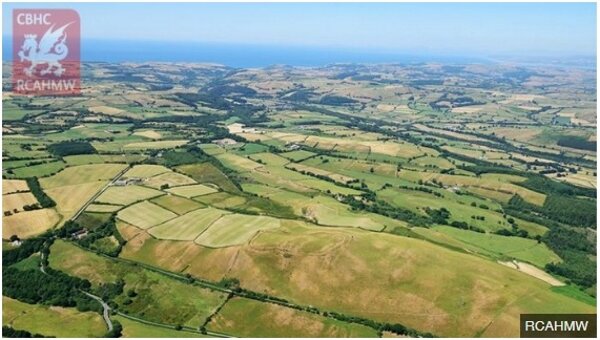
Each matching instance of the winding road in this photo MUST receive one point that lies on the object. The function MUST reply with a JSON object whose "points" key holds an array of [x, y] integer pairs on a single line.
{"points": [[104, 312]]}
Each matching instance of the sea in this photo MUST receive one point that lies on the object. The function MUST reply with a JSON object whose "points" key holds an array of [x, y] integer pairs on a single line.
{"points": [[242, 55]]}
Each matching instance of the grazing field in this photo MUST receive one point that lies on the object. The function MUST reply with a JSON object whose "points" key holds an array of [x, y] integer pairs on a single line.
{"points": [[10, 186], [125, 195], [177, 204], [297, 156], [187, 227], [208, 173], [170, 179], [51, 321], [40, 170], [29, 223], [399, 269], [70, 198], [145, 171], [135, 329], [235, 229], [190, 191], [502, 246], [159, 298], [145, 215], [103, 208], [151, 134], [167, 144], [16, 202], [249, 318], [82, 174]]}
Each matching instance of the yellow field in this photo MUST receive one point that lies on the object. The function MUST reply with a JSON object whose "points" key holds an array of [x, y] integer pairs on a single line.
{"points": [[70, 198], [29, 223], [187, 227], [148, 134], [235, 229], [172, 179], [14, 202], [13, 185], [190, 191], [365, 274], [126, 195], [167, 144], [103, 208], [145, 171], [251, 318], [82, 174], [145, 215]]}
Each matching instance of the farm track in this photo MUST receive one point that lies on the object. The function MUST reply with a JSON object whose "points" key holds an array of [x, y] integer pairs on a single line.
{"points": [[91, 200]]}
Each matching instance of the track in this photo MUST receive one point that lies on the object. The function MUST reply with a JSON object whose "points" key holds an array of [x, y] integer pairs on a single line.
{"points": [[96, 195]]}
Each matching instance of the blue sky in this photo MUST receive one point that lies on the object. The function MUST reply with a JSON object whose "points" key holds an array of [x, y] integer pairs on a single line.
{"points": [[487, 29]]}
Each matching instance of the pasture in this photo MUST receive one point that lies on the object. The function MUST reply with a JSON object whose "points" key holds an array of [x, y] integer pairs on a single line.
{"points": [[398, 268], [10, 186], [29, 223], [159, 298], [190, 191], [208, 173], [166, 144], [82, 174], [249, 318], [16, 202], [145, 215], [125, 195], [177, 204], [51, 321], [187, 227], [170, 179], [135, 329], [235, 229], [145, 171]]}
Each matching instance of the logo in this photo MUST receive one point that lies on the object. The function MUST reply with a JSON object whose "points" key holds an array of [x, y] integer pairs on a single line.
{"points": [[558, 325], [46, 52]]}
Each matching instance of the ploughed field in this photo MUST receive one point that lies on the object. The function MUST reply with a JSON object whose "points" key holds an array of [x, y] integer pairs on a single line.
{"points": [[255, 207]]}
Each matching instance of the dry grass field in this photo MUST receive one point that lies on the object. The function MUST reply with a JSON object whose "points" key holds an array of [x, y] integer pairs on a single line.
{"points": [[145, 215], [190, 191], [125, 195], [10, 186], [15, 202], [187, 227], [29, 223]]}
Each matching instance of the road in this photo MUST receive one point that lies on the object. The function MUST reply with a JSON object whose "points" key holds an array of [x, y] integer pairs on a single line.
{"points": [[189, 329], [104, 312], [99, 193]]}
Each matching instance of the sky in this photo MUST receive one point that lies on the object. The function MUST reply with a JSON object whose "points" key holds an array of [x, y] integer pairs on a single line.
{"points": [[467, 29]]}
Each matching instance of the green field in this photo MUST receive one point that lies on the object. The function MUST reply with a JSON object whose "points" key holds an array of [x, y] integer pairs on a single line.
{"points": [[51, 321], [177, 204], [188, 226], [496, 246], [159, 298], [135, 329], [252, 319], [145, 215], [208, 173], [41, 170]]}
